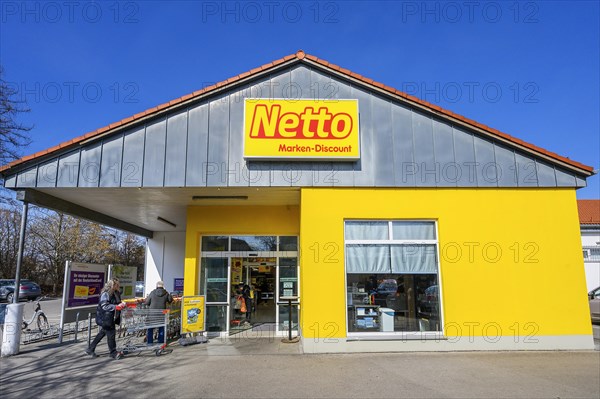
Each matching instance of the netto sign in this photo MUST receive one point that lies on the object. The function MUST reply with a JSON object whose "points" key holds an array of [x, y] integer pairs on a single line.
{"points": [[301, 129]]}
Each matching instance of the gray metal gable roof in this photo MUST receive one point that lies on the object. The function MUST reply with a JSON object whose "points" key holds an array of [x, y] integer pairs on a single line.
{"points": [[200, 145]]}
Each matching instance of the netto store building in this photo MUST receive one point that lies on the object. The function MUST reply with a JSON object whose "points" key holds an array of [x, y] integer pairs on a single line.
{"points": [[400, 225]]}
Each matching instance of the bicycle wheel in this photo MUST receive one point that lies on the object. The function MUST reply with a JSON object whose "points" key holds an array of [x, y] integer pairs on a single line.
{"points": [[42, 323]]}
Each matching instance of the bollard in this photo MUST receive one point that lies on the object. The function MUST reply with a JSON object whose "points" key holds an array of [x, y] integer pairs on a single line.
{"points": [[76, 325], [290, 340], [11, 339], [89, 329], [290, 319]]}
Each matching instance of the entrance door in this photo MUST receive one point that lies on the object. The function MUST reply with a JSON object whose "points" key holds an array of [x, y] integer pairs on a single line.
{"points": [[214, 285], [267, 264], [256, 278]]}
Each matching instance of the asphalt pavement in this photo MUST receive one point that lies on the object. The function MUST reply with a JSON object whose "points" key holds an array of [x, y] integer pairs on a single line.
{"points": [[267, 368]]}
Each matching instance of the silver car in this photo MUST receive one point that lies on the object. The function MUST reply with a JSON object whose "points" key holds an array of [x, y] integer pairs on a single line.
{"points": [[594, 296], [27, 290]]}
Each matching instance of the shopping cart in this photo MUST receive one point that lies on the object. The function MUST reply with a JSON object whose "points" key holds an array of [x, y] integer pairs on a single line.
{"points": [[134, 320]]}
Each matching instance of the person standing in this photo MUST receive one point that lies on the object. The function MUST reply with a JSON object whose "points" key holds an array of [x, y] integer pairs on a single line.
{"points": [[159, 298], [247, 295], [108, 311]]}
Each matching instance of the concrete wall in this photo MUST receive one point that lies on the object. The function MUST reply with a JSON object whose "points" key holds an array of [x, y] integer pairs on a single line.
{"points": [[165, 255]]}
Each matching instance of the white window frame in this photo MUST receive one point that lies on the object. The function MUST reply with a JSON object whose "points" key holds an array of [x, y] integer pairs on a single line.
{"points": [[404, 335]]}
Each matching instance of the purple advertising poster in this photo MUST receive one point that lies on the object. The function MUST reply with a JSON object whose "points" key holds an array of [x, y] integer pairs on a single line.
{"points": [[85, 287], [178, 285]]}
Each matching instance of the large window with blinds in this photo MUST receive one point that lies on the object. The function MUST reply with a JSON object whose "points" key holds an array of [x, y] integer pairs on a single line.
{"points": [[392, 276]]}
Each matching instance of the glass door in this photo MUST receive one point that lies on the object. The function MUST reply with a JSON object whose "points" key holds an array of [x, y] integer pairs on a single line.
{"points": [[267, 265], [287, 286], [253, 286], [214, 285]]}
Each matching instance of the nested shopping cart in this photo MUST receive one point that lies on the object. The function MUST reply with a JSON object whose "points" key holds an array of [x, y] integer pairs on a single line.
{"points": [[136, 320]]}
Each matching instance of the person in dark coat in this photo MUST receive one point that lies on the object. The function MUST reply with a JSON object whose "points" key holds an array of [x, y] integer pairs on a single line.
{"points": [[158, 299], [110, 302], [246, 293]]}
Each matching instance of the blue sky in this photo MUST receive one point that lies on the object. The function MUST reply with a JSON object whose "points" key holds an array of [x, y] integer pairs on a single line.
{"points": [[530, 69]]}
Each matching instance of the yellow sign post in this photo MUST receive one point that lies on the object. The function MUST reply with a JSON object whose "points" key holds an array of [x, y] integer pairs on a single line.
{"points": [[301, 129], [192, 314]]}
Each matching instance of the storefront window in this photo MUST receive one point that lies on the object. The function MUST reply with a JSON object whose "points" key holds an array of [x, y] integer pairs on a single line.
{"points": [[284, 316], [213, 279], [367, 230], [254, 243], [215, 243], [392, 276], [413, 258], [288, 243], [413, 231], [216, 318], [288, 277]]}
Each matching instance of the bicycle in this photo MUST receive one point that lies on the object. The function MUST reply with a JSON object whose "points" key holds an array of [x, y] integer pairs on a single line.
{"points": [[39, 317]]}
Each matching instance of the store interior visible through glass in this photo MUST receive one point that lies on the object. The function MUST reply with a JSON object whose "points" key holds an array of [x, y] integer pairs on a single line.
{"points": [[393, 302]]}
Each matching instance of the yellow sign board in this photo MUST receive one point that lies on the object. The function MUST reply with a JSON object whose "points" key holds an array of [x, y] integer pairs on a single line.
{"points": [[81, 291], [301, 129], [192, 314]]}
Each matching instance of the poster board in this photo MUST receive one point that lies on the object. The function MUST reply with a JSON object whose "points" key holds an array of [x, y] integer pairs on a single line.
{"points": [[84, 283], [178, 285], [193, 314], [127, 276], [82, 287]]}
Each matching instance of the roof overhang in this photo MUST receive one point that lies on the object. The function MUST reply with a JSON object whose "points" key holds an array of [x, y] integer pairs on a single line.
{"points": [[285, 62], [143, 211]]}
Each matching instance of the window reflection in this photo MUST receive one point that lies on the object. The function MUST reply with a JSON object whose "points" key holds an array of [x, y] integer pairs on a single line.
{"points": [[288, 243], [393, 302], [215, 243], [213, 279], [254, 243]]}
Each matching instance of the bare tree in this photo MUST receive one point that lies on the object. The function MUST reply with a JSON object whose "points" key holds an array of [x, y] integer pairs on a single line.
{"points": [[131, 251], [14, 136], [57, 238], [10, 221]]}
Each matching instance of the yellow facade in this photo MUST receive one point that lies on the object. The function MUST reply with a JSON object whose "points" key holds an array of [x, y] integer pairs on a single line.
{"points": [[226, 220], [510, 259]]}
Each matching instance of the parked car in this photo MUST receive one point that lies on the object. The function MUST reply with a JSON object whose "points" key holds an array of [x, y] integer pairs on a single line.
{"points": [[594, 296], [28, 290], [384, 290]]}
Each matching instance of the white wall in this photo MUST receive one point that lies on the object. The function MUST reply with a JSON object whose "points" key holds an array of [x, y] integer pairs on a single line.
{"points": [[591, 238], [165, 255]]}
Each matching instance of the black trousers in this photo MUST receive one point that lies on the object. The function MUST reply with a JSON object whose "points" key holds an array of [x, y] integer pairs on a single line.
{"points": [[110, 340], [248, 307]]}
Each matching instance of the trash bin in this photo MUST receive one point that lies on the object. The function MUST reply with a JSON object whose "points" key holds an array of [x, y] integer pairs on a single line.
{"points": [[386, 317]]}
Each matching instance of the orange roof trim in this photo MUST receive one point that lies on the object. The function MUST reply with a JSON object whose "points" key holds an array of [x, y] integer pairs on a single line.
{"points": [[301, 55], [589, 211]]}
